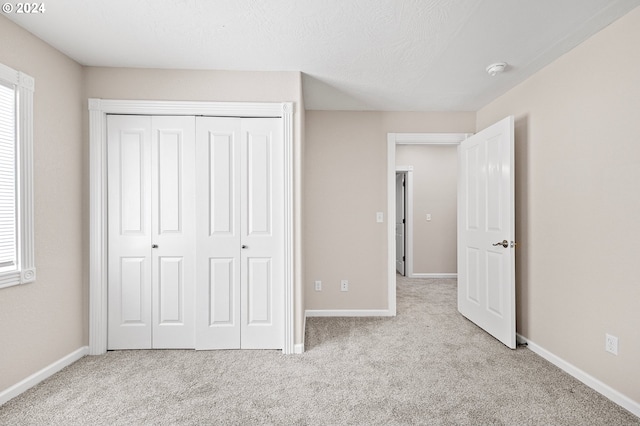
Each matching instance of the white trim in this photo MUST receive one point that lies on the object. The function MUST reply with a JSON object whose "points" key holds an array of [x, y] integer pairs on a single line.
{"points": [[25, 86], [595, 384], [348, 313], [394, 139], [429, 275], [298, 348], [98, 110], [391, 223], [430, 138], [41, 375]]}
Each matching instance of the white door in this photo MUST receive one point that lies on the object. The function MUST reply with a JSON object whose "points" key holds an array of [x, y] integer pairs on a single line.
{"points": [[240, 233], [400, 222], [486, 231], [151, 229]]}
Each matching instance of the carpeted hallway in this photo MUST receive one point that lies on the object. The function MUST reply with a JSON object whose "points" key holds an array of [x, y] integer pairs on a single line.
{"points": [[428, 365]]}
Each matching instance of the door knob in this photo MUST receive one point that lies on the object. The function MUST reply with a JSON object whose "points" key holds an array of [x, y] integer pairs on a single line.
{"points": [[244, 247], [154, 246], [503, 243]]}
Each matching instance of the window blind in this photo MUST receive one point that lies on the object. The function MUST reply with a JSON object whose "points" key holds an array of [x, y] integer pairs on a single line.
{"points": [[8, 214]]}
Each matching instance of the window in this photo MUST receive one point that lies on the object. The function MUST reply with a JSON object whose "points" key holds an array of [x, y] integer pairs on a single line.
{"points": [[16, 200]]}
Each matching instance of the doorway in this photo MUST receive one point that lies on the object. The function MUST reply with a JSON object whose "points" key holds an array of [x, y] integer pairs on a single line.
{"points": [[394, 139]]}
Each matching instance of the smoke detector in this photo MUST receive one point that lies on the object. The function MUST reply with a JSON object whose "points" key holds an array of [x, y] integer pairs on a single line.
{"points": [[496, 68]]}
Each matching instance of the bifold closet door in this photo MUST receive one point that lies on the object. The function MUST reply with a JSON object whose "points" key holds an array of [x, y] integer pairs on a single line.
{"points": [[240, 233], [151, 228]]}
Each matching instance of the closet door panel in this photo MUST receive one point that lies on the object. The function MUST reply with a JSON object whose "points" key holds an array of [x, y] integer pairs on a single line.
{"points": [[259, 292], [173, 231], [129, 232], [262, 272], [259, 184], [218, 233], [221, 292]]}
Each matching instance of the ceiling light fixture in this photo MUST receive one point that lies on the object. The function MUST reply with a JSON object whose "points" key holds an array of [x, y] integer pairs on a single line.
{"points": [[496, 68]]}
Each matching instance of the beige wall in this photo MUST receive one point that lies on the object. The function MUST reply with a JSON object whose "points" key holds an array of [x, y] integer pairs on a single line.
{"points": [[435, 178], [578, 208], [345, 185], [213, 85], [43, 321]]}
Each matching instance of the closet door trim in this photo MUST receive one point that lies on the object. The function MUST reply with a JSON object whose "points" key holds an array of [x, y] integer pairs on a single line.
{"points": [[98, 111]]}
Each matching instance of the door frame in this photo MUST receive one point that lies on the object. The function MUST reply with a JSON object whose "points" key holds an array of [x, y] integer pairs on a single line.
{"points": [[394, 139], [98, 111]]}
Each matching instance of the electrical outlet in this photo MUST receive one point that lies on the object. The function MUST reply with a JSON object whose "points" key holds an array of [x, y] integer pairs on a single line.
{"points": [[318, 285], [611, 344], [344, 285]]}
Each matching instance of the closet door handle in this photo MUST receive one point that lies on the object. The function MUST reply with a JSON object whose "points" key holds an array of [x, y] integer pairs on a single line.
{"points": [[154, 246], [245, 247]]}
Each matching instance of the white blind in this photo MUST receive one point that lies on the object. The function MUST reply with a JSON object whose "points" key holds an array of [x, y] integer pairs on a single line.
{"points": [[8, 188]]}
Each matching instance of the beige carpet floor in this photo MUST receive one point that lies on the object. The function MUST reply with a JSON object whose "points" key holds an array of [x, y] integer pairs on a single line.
{"points": [[428, 365]]}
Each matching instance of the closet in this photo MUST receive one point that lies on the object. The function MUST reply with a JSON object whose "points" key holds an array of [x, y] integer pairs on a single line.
{"points": [[195, 232]]}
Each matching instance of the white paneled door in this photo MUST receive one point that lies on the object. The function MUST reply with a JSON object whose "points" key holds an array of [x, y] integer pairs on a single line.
{"points": [[240, 237], [486, 231], [151, 195], [400, 222], [196, 232]]}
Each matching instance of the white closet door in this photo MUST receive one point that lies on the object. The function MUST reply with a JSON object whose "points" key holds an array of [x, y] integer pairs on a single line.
{"points": [[151, 199], [240, 233], [173, 231], [262, 238], [129, 222], [218, 233]]}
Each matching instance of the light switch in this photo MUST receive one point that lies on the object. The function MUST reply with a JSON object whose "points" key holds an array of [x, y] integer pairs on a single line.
{"points": [[379, 217], [428, 217]]}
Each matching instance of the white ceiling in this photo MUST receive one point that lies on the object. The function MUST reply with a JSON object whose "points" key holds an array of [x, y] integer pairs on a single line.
{"points": [[402, 55]]}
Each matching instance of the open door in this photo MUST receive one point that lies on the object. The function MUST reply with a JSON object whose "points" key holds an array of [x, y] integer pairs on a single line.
{"points": [[400, 223], [486, 231]]}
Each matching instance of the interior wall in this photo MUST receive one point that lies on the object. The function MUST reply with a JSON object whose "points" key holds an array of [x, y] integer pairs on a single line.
{"points": [[345, 185], [435, 190], [578, 203], [220, 86], [44, 321]]}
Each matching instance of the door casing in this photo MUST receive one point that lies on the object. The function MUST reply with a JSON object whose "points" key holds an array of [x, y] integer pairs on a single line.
{"points": [[98, 111]]}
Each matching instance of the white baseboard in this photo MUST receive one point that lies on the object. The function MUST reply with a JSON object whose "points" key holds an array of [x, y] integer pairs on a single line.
{"points": [[43, 374], [595, 384], [298, 348], [347, 313], [424, 275]]}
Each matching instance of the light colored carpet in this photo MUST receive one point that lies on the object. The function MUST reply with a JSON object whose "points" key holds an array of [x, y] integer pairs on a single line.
{"points": [[428, 365]]}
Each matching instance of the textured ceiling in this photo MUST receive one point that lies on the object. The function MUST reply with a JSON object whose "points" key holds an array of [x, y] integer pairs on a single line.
{"points": [[403, 55]]}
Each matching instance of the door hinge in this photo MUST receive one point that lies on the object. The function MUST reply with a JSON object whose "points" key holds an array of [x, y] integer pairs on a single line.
{"points": [[403, 258], [402, 220]]}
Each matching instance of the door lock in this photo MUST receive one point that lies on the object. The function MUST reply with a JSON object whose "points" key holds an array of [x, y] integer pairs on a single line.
{"points": [[503, 243]]}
